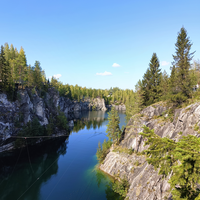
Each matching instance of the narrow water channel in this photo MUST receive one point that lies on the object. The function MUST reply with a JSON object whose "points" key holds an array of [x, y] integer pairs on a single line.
{"points": [[61, 169]]}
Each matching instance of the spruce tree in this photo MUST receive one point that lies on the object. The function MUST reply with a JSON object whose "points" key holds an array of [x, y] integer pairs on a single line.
{"points": [[113, 130], [151, 82], [183, 84], [134, 102], [164, 85], [4, 70], [37, 75], [21, 67]]}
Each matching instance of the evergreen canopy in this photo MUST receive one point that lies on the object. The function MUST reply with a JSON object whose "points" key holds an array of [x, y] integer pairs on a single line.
{"points": [[151, 82], [113, 129], [181, 82]]}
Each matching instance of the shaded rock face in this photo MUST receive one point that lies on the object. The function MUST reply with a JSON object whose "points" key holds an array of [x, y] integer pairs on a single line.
{"points": [[153, 110], [28, 106], [14, 115], [117, 107], [145, 183], [70, 107]]}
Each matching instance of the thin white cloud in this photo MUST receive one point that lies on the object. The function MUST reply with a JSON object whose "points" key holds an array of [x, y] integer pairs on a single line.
{"points": [[115, 65], [57, 76], [104, 74], [126, 72], [164, 63]]}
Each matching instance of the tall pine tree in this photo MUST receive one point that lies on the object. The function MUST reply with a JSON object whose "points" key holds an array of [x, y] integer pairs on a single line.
{"points": [[182, 82], [4, 70], [113, 130], [151, 82]]}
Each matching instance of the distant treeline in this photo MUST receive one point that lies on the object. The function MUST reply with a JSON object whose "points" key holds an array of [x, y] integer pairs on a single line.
{"points": [[155, 85], [14, 71]]}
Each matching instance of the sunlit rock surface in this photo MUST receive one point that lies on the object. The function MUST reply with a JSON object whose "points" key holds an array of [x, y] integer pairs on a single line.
{"points": [[145, 183]]}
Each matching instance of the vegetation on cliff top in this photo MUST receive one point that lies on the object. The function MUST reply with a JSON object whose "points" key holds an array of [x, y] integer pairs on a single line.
{"points": [[180, 159]]}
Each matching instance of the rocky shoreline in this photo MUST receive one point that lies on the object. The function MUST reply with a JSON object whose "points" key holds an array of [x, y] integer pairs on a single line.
{"points": [[145, 183], [14, 115]]}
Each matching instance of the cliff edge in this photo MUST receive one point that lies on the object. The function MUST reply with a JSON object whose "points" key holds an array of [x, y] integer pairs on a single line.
{"points": [[145, 183]]}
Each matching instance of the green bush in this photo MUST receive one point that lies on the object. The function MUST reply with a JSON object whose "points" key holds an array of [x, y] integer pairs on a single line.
{"points": [[32, 128], [94, 107], [196, 127], [121, 187], [103, 150], [62, 121]]}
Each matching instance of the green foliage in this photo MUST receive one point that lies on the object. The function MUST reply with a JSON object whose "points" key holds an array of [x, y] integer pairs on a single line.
{"points": [[32, 128], [134, 102], [164, 86], [196, 127], [94, 107], [151, 82], [181, 80], [103, 150], [61, 121], [137, 163], [113, 130], [182, 158], [186, 171], [4, 71], [120, 149], [159, 152], [121, 187]]}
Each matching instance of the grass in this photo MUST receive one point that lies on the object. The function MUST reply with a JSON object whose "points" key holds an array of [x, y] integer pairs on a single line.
{"points": [[136, 163], [196, 127], [123, 150]]}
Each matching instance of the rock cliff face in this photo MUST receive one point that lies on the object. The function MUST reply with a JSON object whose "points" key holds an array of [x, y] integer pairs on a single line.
{"points": [[117, 107], [14, 115], [69, 107], [145, 183]]}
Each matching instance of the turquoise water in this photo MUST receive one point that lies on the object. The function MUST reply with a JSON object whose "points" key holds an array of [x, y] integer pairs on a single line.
{"points": [[65, 168]]}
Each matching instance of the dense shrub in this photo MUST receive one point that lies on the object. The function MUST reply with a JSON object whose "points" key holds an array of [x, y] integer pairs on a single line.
{"points": [[103, 150]]}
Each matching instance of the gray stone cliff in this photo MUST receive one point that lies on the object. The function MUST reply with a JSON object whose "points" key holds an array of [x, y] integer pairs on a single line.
{"points": [[117, 107], [14, 115], [145, 183]]}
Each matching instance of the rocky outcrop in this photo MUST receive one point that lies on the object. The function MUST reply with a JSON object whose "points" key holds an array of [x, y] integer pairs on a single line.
{"points": [[145, 183], [14, 115], [121, 107], [69, 107]]}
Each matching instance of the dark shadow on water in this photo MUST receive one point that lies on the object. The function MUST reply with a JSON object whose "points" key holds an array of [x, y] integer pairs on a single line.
{"points": [[89, 120], [24, 171], [33, 172], [102, 177]]}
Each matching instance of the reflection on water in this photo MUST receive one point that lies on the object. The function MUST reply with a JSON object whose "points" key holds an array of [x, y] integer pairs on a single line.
{"points": [[28, 166], [90, 120], [63, 168]]}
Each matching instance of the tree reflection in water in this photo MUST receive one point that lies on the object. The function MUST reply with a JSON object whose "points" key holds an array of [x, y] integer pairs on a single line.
{"points": [[110, 194], [36, 165], [88, 120]]}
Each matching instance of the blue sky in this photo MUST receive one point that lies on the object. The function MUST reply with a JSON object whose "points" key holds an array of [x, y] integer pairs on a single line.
{"points": [[81, 40]]}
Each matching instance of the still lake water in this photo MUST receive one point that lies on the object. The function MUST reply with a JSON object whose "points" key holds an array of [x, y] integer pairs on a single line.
{"points": [[65, 168]]}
